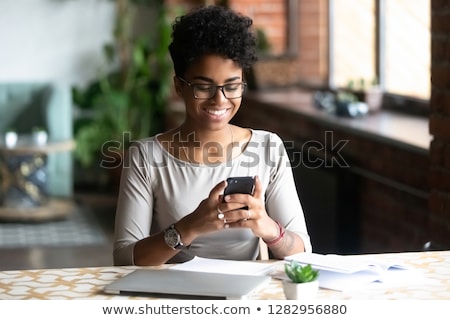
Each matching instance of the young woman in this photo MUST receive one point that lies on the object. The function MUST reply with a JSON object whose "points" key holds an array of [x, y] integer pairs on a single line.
{"points": [[171, 205]]}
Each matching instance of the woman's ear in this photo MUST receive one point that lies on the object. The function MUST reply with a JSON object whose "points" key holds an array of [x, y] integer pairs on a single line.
{"points": [[177, 84]]}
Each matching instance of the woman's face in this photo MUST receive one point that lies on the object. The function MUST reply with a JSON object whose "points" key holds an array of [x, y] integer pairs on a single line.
{"points": [[213, 113]]}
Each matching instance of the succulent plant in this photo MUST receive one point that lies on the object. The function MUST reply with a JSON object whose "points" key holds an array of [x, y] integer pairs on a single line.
{"points": [[300, 274]]}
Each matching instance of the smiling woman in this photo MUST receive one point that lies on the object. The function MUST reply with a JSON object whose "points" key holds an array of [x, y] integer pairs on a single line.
{"points": [[171, 203]]}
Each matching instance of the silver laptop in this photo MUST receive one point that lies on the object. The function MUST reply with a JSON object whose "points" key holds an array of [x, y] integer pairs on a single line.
{"points": [[187, 284]]}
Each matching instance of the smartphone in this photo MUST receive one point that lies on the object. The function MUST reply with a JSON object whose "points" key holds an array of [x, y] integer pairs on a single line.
{"points": [[240, 185]]}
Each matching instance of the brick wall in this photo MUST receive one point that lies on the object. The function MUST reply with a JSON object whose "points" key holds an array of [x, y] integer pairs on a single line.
{"points": [[439, 202], [312, 56], [310, 65], [267, 15]]}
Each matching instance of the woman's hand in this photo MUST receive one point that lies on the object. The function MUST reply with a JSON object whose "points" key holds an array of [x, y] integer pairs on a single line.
{"points": [[255, 218], [205, 218]]}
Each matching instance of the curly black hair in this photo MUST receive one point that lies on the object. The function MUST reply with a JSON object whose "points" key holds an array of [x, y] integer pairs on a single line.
{"points": [[212, 30]]}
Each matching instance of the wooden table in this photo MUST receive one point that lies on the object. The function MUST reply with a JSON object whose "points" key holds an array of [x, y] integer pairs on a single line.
{"points": [[88, 283]]}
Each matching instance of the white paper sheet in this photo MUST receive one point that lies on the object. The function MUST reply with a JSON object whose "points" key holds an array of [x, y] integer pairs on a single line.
{"points": [[227, 266]]}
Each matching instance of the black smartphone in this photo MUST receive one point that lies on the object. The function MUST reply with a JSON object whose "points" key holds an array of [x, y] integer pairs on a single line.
{"points": [[240, 185]]}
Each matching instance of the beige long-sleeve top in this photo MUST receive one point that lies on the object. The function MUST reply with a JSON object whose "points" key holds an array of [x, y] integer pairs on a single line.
{"points": [[158, 189]]}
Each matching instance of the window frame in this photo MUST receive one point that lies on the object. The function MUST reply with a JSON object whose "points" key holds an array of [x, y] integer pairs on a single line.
{"points": [[391, 101]]}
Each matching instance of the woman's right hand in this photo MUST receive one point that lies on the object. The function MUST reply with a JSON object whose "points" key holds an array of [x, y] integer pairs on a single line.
{"points": [[205, 218]]}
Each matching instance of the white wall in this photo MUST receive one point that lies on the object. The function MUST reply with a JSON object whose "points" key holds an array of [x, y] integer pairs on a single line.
{"points": [[56, 40]]}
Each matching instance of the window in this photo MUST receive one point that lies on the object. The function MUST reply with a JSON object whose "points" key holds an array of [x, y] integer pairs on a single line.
{"points": [[386, 41]]}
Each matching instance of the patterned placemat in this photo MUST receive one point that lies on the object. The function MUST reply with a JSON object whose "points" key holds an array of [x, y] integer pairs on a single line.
{"points": [[79, 228]]}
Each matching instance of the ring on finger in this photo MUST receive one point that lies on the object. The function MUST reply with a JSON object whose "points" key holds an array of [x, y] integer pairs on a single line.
{"points": [[248, 215], [220, 214]]}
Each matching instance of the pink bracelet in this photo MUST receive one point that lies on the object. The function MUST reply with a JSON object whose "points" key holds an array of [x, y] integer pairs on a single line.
{"points": [[278, 238]]}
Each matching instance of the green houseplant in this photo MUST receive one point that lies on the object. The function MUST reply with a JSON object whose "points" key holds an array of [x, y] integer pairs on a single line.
{"points": [[302, 282], [128, 103]]}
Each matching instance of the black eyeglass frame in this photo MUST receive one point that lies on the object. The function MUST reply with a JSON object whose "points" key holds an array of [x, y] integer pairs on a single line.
{"points": [[192, 86]]}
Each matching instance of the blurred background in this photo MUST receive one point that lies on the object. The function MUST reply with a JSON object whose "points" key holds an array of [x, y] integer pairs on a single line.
{"points": [[357, 89]]}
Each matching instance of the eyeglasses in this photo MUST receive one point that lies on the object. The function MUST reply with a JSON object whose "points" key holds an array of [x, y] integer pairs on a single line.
{"points": [[208, 91]]}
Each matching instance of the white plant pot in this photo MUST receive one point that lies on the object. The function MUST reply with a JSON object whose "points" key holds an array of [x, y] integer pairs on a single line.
{"points": [[300, 291], [11, 138], [374, 98], [40, 138]]}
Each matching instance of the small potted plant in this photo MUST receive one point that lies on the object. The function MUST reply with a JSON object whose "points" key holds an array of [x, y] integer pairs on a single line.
{"points": [[39, 136], [373, 96], [303, 281], [369, 92]]}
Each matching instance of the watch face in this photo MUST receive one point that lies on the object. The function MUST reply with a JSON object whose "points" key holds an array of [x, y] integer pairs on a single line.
{"points": [[172, 238]]}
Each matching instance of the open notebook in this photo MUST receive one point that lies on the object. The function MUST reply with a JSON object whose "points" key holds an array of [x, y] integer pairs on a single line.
{"points": [[192, 284], [341, 272]]}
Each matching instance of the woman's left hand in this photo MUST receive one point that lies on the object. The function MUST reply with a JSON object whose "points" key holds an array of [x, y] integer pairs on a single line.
{"points": [[255, 217]]}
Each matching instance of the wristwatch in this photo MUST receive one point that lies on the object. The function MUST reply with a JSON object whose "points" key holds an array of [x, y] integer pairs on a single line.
{"points": [[173, 238]]}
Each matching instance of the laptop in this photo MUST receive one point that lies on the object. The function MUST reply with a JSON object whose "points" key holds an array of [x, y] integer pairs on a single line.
{"points": [[188, 284]]}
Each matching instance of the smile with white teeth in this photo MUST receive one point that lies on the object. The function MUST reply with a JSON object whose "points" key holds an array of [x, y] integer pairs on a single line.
{"points": [[216, 112]]}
